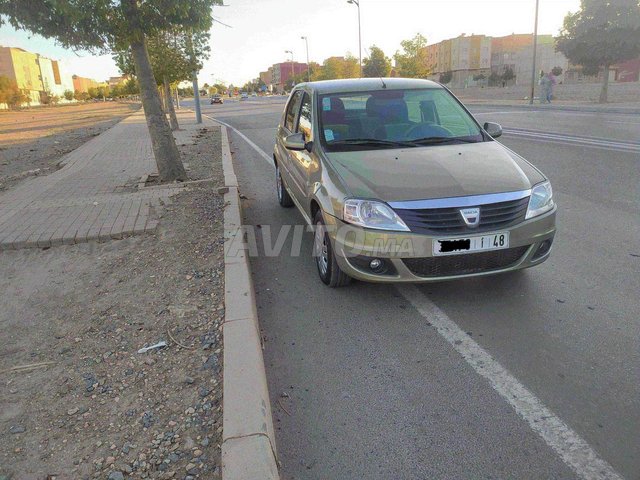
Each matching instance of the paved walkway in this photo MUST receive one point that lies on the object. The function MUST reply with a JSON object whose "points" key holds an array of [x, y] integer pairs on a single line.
{"points": [[95, 196]]}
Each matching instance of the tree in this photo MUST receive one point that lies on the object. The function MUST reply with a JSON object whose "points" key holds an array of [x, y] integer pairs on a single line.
{"points": [[81, 96], [494, 79], [508, 75], [556, 71], [601, 34], [445, 77], [377, 64], [68, 95], [102, 26], [10, 93], [412, 61], [480, 76]]}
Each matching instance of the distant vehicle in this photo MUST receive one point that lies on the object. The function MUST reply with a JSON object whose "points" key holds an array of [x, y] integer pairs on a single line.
{"points": [[216, 99], [244, 96], [402, 184], [254, 94]]}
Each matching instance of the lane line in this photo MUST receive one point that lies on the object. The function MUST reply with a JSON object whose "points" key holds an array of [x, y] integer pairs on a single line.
{"points": [[571, 448], [260, 152], [570, 140]]}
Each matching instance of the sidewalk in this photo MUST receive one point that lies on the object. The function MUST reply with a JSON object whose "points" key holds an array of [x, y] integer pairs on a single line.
{"points": [[632, 108], [93, 197]]}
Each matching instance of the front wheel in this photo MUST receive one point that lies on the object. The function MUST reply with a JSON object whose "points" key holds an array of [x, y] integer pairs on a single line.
{"points": [[328, 268]]}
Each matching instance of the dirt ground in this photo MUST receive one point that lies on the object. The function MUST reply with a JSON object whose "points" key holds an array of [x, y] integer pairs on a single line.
{"points": [[32, 141], [77, 400]]}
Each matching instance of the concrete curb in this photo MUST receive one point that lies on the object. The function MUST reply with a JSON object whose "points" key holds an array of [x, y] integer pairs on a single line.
{"points": [[566, 108], [248, 440]]}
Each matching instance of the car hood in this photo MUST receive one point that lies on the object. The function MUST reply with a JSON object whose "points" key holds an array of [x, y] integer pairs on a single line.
{"points": [[440, 171]]}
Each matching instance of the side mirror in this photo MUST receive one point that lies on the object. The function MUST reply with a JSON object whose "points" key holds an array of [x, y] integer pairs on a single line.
{"points": [[493, 129], [296, 142]]}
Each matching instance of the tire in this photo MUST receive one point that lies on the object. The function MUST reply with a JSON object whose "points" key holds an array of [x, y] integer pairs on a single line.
{"points": [[284, 199], [328, 268]]}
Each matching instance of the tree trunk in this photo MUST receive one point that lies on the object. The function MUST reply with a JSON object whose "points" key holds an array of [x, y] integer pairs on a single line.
{"points": [[173, 120], [164, 145], [604, 93]]}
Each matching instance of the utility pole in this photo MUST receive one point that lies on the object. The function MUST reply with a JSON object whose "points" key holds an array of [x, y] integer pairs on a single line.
{"points": [[357, 4], [306, 41], [535, 44]]}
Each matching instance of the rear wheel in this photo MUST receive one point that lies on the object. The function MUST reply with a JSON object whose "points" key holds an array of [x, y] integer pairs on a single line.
{"points": [[328, 268], [283, 196]]}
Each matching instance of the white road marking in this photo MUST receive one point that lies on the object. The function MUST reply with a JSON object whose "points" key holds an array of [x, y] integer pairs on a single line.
{"points": [[246, 139], [572, 448]]}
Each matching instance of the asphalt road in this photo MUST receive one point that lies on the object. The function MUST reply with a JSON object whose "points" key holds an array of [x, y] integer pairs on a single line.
{"points": [[370, 381]]}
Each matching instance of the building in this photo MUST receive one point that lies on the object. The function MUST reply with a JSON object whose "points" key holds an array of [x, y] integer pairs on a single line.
{"points": [[23, 68], [516, 52], [83, 84], [282, 73], [55, 80], [466, 57], [37, 76], [114, 81], [267, 78]]}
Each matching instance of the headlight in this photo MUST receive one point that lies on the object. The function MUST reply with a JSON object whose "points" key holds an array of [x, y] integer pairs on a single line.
{"points": [[372, 214], [541, 200]]}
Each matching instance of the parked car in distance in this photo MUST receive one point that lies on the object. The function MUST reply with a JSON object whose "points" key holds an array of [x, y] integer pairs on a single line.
{"points": [[217, 99], [402, 184], [244, 96], [254, 94]]}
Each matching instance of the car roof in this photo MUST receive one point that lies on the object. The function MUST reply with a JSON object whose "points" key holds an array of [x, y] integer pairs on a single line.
{"points": [[365, 84]]}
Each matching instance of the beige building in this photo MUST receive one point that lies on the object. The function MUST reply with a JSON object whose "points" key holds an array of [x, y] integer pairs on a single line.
{"points": [[465, 57], [22, 67]]}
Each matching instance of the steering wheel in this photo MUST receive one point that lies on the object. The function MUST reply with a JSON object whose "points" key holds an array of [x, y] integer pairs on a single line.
{"points": [[424, 130]]}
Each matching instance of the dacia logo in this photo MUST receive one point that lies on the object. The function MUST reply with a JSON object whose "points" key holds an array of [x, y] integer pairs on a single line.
{"points": [[471, 216]]}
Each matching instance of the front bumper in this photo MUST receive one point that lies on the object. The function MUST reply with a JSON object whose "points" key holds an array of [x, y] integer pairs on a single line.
{"points": [[529, 245]]}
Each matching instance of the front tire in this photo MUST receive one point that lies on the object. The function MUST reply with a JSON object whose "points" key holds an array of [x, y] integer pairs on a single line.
{"points": [[328, 268], [284, 199]]}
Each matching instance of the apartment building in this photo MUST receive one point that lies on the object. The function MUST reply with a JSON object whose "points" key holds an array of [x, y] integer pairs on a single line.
{"points": [[282, 73], [465, 57]]}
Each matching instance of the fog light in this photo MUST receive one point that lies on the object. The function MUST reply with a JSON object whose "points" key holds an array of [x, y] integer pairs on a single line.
{"points": [[543, 249], [375, 264]]}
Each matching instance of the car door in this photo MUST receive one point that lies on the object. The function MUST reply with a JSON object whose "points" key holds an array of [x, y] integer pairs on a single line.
{"points": [[285, 156], [303, 163]]}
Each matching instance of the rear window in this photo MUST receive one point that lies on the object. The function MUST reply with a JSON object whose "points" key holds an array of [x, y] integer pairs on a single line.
{"points": [[401, 116]]}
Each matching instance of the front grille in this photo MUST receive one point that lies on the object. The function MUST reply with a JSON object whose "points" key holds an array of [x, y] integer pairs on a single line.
{"points": [[438, 221], [464, 264]]}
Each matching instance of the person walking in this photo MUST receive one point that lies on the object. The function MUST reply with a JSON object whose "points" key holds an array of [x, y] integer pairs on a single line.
{"points": [[545, 87], [551, 83]]}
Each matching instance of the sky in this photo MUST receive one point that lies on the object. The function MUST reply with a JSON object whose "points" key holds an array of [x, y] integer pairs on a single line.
{"points": [[261, 31]]}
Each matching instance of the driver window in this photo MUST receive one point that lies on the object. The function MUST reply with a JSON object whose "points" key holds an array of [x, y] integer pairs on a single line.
{"points": [[304, 123], [292, 110]]}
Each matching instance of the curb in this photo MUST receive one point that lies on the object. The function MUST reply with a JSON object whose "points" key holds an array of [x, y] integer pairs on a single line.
{"points": [[248, 439], [566, 108]]}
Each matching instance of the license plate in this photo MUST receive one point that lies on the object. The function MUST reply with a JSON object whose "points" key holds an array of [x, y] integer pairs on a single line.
{"points": [[481, 243]]}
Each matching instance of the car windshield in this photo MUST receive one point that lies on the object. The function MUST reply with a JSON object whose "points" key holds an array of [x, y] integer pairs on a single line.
{"points": [[394, 119]]}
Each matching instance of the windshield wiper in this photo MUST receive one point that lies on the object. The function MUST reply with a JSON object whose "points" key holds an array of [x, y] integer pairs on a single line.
{"points": [[436, 140], [372, 141]]}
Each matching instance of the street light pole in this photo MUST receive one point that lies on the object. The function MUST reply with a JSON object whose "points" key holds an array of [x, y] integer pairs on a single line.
{"points": [[292, 74], [357, 4], [535, 44], [306, 41]]}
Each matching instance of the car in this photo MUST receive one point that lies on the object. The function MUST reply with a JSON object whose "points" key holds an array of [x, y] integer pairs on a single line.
{"points": [[402, 184], [216, 99], [254, 94], [244, 96]]}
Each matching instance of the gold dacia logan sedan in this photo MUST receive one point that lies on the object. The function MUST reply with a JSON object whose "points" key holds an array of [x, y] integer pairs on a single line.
{"points": [[402, 184]]}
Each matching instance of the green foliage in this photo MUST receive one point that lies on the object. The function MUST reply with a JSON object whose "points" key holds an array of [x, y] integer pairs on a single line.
{"points": [[101, 25], [412, 61], [46, 98], [377, 65], [81, 96], [601, 33], [93, 92], [10, 93], [173, 54], [445, 77], [494, 79], [508, 74], [556, 71], [480, 76], [68, 95], [336, 67]]}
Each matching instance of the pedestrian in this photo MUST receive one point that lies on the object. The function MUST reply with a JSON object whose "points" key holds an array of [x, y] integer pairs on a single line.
{"points": [[551, 83], [545, 88]]}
